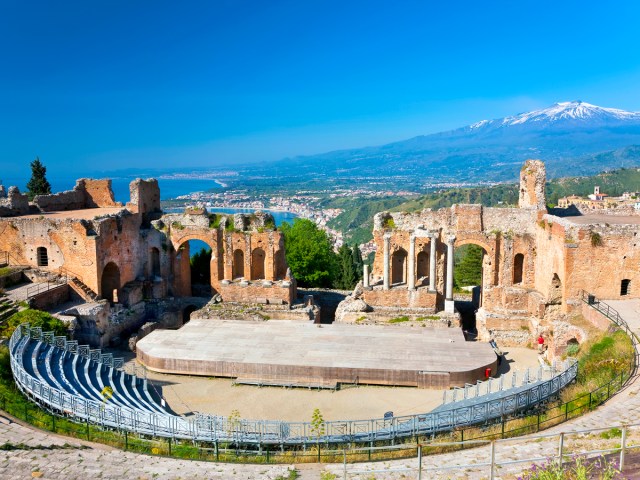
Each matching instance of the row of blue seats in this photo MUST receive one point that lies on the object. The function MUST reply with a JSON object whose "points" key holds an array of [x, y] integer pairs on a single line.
{"points": [[86, 378]]}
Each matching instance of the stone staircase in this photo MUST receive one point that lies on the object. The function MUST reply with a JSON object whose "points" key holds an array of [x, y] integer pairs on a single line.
{"points": [[82, 289], [7, 308]]}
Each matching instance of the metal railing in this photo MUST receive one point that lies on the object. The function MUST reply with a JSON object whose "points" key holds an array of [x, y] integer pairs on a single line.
{"points": [[556, 446], [41, 287], [264, 432], [517, 379], [615, 317]]}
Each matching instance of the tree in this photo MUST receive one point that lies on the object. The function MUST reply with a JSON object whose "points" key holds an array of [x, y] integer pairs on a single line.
{"points": [[38, 185], [346, 278], [201, 267], [468, 271], [358, 263], [310, 253]]}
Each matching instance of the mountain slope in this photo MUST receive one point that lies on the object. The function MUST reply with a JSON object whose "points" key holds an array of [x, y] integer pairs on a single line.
{"points": [[568, 136]]}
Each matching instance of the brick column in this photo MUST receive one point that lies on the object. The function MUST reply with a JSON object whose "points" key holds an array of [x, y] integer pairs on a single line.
{"points": [[432, 262], [411, 267], [385, 274], [449, 292]]}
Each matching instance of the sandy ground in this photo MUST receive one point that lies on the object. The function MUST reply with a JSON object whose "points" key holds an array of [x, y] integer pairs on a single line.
{"points": [[219, 396]]}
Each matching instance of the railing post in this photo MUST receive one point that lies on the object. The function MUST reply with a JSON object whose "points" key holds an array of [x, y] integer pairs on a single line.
{"points": [[623, 446], [126, 440], [344, 463], [493, 460], [419, 462], [560, 448]]}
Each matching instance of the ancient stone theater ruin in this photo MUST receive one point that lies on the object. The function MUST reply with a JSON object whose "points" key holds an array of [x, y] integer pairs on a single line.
{"points": [[537, 265], [130, 263]]}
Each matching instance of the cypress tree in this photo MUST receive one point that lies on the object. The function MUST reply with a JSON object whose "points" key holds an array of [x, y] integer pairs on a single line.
{"points": [[346, 273], [358, 263], [38, 185]]}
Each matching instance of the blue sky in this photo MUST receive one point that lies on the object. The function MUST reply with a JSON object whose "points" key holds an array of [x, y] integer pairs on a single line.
{"points": [[106, 85]]}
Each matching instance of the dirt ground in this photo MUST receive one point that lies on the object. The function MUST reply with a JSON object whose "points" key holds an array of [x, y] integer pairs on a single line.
{"points": [[219, 396]]}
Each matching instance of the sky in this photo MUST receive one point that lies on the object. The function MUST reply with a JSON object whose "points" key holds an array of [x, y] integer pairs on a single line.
{"points": [[99, 86]]}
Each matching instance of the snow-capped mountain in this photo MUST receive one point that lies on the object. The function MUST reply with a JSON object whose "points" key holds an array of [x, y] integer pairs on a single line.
{"points": [[571, 137], [578, 112]]}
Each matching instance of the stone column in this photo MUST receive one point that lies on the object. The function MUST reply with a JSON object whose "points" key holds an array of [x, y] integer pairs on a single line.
{"points": [[411, 267], [385, 273], [365, 276], [449, 292], [432, 263]]}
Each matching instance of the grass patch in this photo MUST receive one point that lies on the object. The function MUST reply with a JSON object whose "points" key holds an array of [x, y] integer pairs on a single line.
{"points": [[401, 319], [5, 271]]}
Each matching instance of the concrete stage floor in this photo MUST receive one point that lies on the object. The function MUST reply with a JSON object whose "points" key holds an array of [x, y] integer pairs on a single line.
{"points": [[290, 352]]}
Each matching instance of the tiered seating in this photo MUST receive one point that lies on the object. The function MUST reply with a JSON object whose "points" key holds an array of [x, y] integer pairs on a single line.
{"points": [[85, 378]]}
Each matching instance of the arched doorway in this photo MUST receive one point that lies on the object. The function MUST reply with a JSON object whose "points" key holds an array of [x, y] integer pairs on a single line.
{"points": [[518, 268], [257, 264], [625, 287], [192, 263], [238, 264], [110, 282], [42, 257], [468, 280], [399, 266]]}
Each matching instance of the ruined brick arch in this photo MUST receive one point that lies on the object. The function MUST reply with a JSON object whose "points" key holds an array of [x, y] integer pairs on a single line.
{"points": [[399, 266], [519, 260], [110, 282], [180, 263], [211, 242], [490, 267], [422, 264], [280, 264], [258, 258], [238, 263]]}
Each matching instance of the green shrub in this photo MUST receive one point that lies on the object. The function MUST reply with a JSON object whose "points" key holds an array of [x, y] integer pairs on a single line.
{"points": [[35, 318], [401, 319]]}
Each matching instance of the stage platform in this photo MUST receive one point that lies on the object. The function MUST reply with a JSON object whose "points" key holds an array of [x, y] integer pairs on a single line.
{"points": [[297, 353]]}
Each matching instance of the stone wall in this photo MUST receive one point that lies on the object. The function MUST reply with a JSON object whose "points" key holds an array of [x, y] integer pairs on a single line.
{"points": [[14, 203], [50, 298], [87, 193]]}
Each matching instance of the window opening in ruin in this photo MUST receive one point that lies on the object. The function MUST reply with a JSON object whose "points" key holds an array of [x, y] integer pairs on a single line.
{"points": [[518, 266], [399, 266], [257, 264], [110, 282], [625, 286], [238, 264], [155, 262], [555, 293], [191, 267], [42, 257], [422, 267]]}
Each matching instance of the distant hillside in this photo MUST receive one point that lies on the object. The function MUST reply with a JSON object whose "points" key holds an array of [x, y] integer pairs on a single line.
{"points": [[567, 136], [357, 220]]}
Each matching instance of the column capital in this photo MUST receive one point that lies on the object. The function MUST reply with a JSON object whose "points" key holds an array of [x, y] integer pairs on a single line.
{"points": [[386, 237], [451, 239], [433, 234]]}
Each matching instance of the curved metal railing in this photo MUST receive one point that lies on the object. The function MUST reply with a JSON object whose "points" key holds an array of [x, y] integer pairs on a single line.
{"points": [[212, 428]]}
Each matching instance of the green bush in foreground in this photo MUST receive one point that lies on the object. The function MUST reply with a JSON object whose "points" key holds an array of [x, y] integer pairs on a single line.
{"points": [[35, 318]]}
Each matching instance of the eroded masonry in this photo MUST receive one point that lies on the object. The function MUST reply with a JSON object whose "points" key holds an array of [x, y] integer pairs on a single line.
{"points": [[537, 265], [131, 262]]}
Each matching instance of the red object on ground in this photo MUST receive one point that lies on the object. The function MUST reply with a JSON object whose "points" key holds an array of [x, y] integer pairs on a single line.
{"points": [[487, 372], [540, 340]]}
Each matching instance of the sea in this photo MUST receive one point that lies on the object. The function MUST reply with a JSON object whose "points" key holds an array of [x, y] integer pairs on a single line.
{"points": [[169, 188]]}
